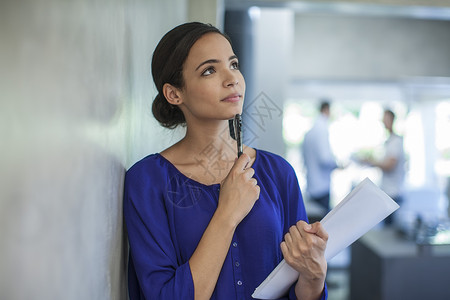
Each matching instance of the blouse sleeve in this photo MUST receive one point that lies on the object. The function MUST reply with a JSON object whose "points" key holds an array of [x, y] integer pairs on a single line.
{"points": [[295, 211], [152, 253], [294, 206]]}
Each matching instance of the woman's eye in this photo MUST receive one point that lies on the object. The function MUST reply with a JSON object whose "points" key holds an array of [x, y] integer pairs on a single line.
{"points": [[235, 65], [208, 71]]}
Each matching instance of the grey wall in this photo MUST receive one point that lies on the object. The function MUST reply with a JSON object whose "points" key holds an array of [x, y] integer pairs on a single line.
{"points": [[262, 38], [330, 46], [273, 35], [75, 91]]}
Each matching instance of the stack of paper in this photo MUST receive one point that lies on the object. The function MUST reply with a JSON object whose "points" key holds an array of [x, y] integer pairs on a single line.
{"points": [[357, 213]]}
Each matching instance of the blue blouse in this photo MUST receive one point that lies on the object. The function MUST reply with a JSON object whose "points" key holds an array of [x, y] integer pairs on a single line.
{"points": [[166, 214]]}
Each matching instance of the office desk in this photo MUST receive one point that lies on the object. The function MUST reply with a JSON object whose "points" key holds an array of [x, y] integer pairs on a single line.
{"points": [[386, 266]]}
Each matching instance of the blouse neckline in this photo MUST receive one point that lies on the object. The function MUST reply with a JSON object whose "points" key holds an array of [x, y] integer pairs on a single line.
{"points": [[175, 169]]}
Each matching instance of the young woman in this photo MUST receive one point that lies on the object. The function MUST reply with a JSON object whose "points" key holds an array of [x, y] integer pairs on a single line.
{"points": [[202, 223]]}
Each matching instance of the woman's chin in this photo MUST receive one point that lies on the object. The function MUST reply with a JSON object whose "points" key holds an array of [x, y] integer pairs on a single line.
{"points": [[235, 112]]}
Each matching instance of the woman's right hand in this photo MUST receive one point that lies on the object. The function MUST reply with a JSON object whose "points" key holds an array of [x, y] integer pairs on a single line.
{"points": [[238, 191]]}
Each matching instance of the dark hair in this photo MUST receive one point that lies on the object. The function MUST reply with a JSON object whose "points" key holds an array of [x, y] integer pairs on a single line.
{"points": [[325, 104], [167, 67]]}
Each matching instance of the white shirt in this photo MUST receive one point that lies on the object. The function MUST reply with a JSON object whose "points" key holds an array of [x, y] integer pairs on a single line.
{"points": [[318, 158], [392, 181]]}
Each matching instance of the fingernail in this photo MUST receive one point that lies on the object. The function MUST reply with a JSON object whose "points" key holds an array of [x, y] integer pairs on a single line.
{"points": [[308, 227]]}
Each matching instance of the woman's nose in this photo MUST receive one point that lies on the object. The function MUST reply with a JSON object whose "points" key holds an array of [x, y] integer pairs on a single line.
{"points": [[231, 79]]}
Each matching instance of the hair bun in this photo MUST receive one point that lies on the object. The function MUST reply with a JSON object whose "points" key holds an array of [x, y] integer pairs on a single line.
{"points": [[168, 115]]}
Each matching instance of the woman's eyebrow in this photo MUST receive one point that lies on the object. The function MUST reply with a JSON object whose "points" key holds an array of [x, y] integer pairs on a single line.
{"points": [[214, 61], [209, 61]]}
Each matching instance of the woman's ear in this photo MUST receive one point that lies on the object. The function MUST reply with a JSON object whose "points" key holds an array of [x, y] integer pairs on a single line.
{"points": [[172, 94]]}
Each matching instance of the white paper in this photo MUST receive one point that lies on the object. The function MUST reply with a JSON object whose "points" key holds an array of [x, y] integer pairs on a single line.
{"points": [[357, 213]]}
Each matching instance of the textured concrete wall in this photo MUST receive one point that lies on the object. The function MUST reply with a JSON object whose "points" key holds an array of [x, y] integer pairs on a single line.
{"points": [[206, 11], [75, 96]]}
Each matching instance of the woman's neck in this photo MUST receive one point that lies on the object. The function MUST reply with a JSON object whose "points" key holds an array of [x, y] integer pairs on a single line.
{"points": [[200, 137], [205, 154], [204, 141]]}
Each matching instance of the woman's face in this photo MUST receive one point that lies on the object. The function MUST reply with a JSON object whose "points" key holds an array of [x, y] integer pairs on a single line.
{"points": [[214, 86]]}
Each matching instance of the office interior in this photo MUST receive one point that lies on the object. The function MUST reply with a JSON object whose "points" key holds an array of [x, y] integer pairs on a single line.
{"points": [[76, 92]]}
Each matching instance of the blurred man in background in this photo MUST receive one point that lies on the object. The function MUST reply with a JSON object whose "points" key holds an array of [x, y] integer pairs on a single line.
{"points": [[319, 159], [392, 164]]}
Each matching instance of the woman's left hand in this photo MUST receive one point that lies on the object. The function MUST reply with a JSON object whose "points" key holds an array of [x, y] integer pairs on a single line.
{"points": [[303, 249]]}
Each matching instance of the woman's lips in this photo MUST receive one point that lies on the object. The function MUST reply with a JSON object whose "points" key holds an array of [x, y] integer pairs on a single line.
{"points": [[232, 98]]}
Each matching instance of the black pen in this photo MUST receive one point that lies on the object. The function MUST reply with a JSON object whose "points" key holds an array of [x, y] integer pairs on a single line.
{"points": [[237, 122]]}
